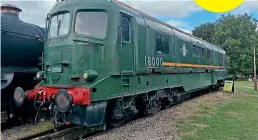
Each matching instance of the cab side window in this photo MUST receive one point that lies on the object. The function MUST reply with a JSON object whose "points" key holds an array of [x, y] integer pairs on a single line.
{"points": [[220, 59], [162, 44], [198, 51], [195, 50], [202, 52], [208, 53], [158, 43], [125, 25]]}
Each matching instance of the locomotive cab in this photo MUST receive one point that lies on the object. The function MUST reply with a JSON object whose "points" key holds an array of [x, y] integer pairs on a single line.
{"points": [[77, 44]]}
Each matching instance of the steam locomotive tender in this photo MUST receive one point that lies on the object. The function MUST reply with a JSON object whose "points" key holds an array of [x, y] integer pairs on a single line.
{"points": [[21, 46], [105, 62]]}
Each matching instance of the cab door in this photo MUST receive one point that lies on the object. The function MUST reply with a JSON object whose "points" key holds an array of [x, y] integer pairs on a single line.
{"points": [[126, 54], [126, 44]]}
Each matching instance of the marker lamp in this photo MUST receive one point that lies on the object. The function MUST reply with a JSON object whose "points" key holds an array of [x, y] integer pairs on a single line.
{"points": [[90, 75]]}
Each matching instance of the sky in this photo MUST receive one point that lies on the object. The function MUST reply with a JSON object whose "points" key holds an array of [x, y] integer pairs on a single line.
{"points": [[183, 14]]}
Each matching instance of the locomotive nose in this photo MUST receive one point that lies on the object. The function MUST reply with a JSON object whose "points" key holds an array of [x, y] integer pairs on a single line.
{"points": [[19, 96]]}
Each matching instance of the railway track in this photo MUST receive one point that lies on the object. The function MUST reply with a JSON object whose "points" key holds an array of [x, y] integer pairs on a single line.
{"points": [[74, 133], [71, 133], [45, 130]]}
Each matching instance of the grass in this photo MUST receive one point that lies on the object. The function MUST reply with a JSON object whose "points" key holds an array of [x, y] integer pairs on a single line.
{"points": [[246, 90], [244, 83], [235, 118], [240, 87]]}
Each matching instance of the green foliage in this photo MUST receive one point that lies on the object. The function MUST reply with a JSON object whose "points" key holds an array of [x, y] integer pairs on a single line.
{"points": [[236, 34], [205, 31]]}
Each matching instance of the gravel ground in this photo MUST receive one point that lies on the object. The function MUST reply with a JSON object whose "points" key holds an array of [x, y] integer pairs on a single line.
{"points": [[164, 124]]}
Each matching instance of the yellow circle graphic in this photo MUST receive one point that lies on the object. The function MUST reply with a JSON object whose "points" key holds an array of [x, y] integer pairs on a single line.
{"points": [[219, 5]]}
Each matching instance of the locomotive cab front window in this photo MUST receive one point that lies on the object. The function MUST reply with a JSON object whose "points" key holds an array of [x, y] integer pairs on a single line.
{"points": [[91, 23], [59, 25]]}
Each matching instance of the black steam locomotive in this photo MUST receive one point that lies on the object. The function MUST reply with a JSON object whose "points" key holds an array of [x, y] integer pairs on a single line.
{"points": [[21, 50]]}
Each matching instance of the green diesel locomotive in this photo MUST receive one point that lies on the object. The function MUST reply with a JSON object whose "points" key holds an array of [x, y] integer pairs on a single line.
{"points": [[105, 62]]}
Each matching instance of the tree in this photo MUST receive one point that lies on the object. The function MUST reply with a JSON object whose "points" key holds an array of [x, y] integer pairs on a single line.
{"points": [[205, 31], [233, 33]]}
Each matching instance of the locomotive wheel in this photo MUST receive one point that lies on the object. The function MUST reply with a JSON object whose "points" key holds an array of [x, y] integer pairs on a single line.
{"points": [[122, 110], [170, 99], [152, 105], [178, 97], [115, 117]]}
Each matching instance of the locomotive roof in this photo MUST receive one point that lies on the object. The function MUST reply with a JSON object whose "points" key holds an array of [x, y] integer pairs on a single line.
{"points": [[179, 33]]}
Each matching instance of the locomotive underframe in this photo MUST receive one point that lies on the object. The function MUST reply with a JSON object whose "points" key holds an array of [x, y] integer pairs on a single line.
{"points": [[121, 108]]}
